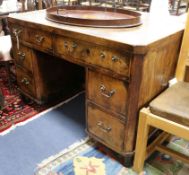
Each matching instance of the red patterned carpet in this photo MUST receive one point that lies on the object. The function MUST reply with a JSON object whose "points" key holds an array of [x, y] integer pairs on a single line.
{"points": [[15, 110]]}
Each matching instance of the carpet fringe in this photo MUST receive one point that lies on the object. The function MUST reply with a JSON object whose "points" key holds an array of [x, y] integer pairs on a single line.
{"points": [[13, 127], [70, 148]]}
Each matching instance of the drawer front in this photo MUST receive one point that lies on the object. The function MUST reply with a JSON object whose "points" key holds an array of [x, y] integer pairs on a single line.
{"points": [[94, 55], [17, 30], [107, 92], [110, 59], [25, 82], [23, 56], [39, 38], [69, 47], [107, 128]]}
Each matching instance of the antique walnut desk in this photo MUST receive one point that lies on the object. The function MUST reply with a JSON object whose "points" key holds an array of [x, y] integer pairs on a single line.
{"points": [[124, 68]]}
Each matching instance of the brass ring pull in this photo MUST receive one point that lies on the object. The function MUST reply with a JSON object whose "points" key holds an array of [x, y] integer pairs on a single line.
{"points": [[16, 31], [65, 44], [115, 58], [102, 55], [72, 48], [106, 93], [39, 38], [74, 45], [21, 56], [103, 128], [25, 81]]}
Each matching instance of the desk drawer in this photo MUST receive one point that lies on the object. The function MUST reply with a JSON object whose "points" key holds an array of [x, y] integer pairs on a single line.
{"points": [[69, 47], [39, 38], [107, 128], [23, 56], [25, 82], [112, 60], [107, 92]]}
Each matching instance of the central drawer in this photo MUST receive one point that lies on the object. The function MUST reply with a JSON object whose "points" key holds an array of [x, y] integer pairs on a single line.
{"points": [[94, 55], [108, 92], [107, 128]]}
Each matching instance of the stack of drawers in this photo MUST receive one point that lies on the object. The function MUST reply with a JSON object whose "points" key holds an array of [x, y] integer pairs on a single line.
{"points": [[107, 100], [34, 66], [24, 62], [25, 58]]}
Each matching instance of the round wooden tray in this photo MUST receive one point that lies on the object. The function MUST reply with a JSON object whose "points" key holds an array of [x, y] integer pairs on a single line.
{"points": [[93, 16]]}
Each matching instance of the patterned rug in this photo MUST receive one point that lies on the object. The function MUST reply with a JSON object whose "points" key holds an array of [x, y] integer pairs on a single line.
{"points": [[15, 110], [90, 158]]}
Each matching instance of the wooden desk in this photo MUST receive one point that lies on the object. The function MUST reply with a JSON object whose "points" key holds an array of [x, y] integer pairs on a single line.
{"points": [[125, 68]]}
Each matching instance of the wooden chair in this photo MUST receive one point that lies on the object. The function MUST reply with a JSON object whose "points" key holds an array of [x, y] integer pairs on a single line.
{"points": [[177, 5], [168, 112], [43, 4], [138, 5], [32, 5]]}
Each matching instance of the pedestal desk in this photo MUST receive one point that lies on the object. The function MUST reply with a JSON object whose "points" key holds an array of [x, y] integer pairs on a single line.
{"points": [[124, 68]]}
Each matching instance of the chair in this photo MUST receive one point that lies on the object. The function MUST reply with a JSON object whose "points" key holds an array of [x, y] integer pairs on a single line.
{"points": [[31, 5], [138, 5], [168, 112], [178, 5]]}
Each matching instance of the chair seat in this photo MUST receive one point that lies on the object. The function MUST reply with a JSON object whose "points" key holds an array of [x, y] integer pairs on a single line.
{"points": [[173, 103]]}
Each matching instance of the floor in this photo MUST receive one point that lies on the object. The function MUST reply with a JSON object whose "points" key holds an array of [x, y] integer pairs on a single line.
{"points": [[26, 146]]}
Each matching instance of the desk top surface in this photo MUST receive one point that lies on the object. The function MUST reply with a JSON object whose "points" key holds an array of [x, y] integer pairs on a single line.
{"points": [[154, 28]]}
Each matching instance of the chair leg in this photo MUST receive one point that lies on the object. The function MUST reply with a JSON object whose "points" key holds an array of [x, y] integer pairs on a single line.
{"points": [[141, 143], [178, 7]]}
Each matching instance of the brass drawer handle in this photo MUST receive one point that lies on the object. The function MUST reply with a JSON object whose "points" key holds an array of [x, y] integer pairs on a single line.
{"points": [[71, 48], [74, 45], [102, 55], [106, 93], [25, 81], [21, 56], [16, 31], [115, 58], [65, 44], [103, 128], [39, 38]]}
